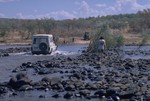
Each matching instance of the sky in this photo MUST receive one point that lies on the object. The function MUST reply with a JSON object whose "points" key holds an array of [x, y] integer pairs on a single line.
{"points": [[68, 9]]}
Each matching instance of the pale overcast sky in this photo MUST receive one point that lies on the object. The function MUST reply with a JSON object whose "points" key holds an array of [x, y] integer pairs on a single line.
{"points": [[68, 9]]}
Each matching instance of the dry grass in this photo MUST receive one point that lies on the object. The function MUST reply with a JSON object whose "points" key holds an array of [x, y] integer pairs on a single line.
{"points": [[16, 39], [77, 40], [134, 39]]}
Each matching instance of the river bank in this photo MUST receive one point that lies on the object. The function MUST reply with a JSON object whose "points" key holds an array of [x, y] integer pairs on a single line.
{"points": [[129, 39]]}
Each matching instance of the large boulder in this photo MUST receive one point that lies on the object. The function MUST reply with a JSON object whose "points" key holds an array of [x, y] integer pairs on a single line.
{"points": [[18, 81]]}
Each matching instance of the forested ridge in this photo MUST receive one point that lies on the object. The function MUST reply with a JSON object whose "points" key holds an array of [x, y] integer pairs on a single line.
{"points": [[23, 29]]}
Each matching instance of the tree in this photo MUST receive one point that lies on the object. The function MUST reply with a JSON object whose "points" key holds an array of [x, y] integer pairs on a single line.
{"points": [[48, 25], [30, 27]]}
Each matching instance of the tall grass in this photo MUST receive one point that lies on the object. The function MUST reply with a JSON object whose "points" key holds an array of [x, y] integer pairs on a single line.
{"points": [[112, 39]]}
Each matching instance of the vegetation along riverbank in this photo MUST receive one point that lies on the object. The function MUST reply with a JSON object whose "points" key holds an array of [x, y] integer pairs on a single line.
{"points": [[134, 28]]}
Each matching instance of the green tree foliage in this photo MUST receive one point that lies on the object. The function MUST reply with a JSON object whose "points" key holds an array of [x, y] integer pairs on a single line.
{"points": [[47, 25], [145, 18], [77, 27], [3, 34], [29, 26]]}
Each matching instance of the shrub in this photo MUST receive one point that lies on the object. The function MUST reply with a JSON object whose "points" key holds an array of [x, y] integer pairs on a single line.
{"points": [[119, 40], [112, 40], [2, 34]]}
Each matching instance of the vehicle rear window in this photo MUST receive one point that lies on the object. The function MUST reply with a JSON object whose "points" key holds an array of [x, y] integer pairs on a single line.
{"points": [[39, 40]]}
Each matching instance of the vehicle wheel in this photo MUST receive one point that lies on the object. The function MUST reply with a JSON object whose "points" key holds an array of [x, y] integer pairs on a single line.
{"points": [[43, 46]]}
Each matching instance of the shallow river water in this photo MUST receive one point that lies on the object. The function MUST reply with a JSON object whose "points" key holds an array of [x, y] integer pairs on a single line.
{"points": [[133, 52], [136, 52], [7, 64]]}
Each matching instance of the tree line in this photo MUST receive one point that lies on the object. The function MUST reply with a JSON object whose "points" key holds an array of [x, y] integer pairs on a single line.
{"points": [[25, 28]]}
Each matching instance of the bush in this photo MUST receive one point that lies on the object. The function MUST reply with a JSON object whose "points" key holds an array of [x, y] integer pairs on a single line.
{"points": [[2, 34], [119, 40], [112, 40]]}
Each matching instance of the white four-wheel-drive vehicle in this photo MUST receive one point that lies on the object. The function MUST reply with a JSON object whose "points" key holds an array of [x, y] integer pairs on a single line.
{"points": [[43, 44]]}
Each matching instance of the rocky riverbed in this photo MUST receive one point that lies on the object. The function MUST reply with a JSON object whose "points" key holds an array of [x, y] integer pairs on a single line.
{"points": [[89, 76], [6, 52]]}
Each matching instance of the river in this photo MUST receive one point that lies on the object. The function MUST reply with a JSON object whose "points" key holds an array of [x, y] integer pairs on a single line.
{"points": [[133, 52], [7, 64]]}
